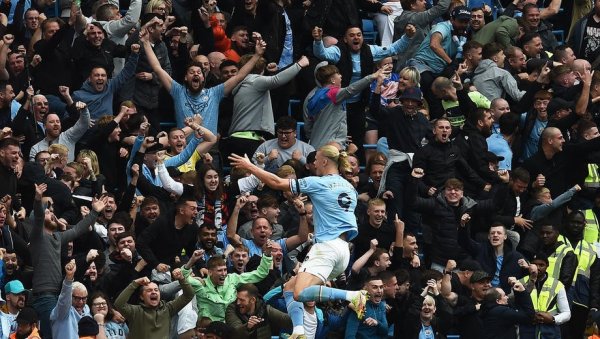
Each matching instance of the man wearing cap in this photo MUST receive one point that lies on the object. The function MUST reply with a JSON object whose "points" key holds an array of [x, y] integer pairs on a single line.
{"points": [[467, 309], [26, 325], [549, 299], [458, 281], [15, 301], [88, 328], [406, 130], [438, 50]]}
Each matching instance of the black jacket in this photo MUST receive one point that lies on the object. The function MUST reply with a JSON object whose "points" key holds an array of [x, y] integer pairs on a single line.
{"points": [[441, 321], [499, 320], [473, 146], [161, 242], [56, 66], [442, 161], [445, 220], [485, 255], [86, 57], [404, 132]]}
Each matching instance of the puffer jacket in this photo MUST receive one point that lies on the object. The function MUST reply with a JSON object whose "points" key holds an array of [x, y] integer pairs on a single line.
{"points": [[444, 220]]}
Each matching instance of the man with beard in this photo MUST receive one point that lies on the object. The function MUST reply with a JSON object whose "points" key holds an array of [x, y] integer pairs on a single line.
{"points": [[438, 50], [375, 323], [15, 301], [55, 134], [252, 318], [467, 309], [207, 242], [164, 239], [149, 212], [46, 244], [27, 323], [152, 307], [7, 95], [192, 98], [14, 271], [240, 41], [473, 145]]}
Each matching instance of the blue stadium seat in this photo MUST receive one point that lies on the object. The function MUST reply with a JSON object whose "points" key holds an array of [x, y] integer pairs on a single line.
{"points": [[452, 336], [299, 131], [560, 36], [292, 106], [369, 31]]}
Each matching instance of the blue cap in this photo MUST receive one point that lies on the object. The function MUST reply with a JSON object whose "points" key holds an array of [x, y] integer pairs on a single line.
{"points": [[413, 93], [14, 287]]}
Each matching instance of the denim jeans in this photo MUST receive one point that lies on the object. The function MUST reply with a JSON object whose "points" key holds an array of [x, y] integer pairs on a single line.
{"points": [[43, 305]]}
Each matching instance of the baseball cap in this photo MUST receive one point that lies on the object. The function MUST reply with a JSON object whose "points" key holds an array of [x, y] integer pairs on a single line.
{"points": [[480, 276], [556, 104], [491, 157], [469, 265], [27, 316], [412, 93], [461, 13], [14, 287]]}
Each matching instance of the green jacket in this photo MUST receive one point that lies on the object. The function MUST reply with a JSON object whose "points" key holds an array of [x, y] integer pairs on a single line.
{"points": [[213, 300], [503, 30], [147, 322], [274, 321]]}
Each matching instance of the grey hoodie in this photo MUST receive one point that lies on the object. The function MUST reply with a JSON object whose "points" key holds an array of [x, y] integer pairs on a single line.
{"points": [[494, 82]]}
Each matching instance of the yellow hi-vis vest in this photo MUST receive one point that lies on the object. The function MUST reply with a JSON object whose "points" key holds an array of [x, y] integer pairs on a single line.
{"points": [[593, 179], [590, 233], [586, 256], [544, 300], [555, 260]]}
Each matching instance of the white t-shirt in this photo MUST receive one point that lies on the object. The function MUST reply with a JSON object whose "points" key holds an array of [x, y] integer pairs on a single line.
{"points": [[310, 325]]}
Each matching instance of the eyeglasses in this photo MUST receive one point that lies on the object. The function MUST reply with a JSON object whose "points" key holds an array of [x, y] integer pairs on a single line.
{"points": [[285, 132], [80, 298], [101, 304]]}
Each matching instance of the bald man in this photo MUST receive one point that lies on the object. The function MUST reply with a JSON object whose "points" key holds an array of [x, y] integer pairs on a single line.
{"points": [[559, 165], [498, 107], [214, 75]]}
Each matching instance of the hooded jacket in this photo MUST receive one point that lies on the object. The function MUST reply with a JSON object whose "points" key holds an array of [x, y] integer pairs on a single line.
{"points": [[100, 103], [273, 320], [504, 30], [494, 82]]}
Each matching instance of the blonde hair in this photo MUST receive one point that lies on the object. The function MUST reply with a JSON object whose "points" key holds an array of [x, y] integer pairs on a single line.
{"points": [[86, 153], [153, 4], [59, 149], [340, 158], [285, 170], [413, 74], [541, 191], [429, 299]]}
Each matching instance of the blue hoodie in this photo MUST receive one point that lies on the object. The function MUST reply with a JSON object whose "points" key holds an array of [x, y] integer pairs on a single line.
{"points": [[101, 103]]}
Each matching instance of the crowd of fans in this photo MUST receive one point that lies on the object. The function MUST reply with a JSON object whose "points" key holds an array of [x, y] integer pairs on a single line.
{"points": [[438, 177]]}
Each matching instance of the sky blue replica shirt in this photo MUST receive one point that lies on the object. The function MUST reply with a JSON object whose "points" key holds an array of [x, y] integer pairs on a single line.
{"points": [[334, 200]]}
